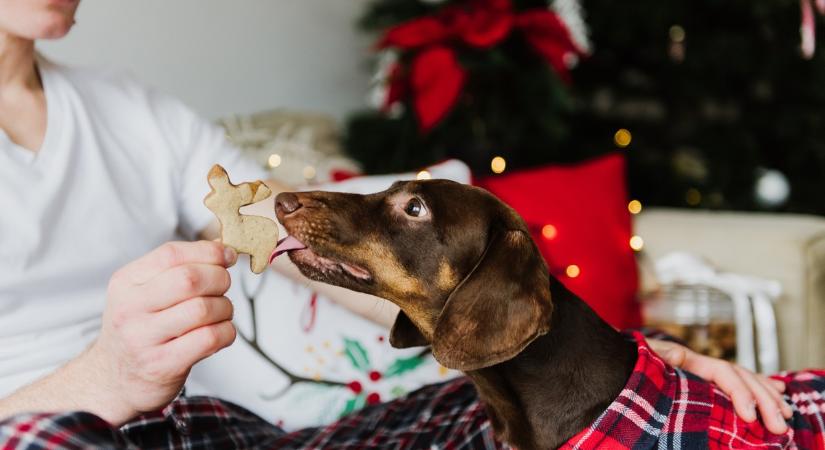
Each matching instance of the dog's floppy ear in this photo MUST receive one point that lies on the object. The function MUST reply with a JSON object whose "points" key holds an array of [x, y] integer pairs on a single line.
{"points": [[501, 306], [405, 334]]}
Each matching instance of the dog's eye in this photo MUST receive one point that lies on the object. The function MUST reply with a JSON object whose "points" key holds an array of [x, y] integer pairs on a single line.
{"points": [[415, 208]]}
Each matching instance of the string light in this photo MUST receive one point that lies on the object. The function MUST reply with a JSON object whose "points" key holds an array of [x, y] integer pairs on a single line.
{"points": [[636, 243], [693, 197], [635, 207], [309, 172], [549, 232], [677, 43], [423, 175], [677, 33], [274, 160], [622, 137], [572, 271], [498, 164]]}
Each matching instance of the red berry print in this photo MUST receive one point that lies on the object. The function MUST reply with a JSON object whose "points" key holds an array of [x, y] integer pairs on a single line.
{"points": [[355, 387], [375, 375], [373, 398]]}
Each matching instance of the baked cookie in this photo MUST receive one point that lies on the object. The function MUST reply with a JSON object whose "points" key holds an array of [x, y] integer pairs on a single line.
{"points": [[254, 235]]}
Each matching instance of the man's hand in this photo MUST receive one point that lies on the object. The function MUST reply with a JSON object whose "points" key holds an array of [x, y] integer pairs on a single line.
{"points": [[164, 313], [747, 390]]}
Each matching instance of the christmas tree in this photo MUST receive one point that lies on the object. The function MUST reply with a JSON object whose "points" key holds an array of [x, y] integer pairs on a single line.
{"points": [[468, 79], [718, 104]]}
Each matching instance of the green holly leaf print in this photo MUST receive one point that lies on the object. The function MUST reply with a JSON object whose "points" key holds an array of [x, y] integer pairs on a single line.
{"points": [[354, 404], [403, 365], [398, 391], [356, 354]]}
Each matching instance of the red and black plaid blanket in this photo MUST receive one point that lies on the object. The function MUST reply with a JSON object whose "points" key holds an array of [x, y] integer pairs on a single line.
{"points": [[660, 408]]}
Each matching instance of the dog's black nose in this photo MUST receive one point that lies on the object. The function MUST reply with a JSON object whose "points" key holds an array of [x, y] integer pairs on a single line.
{"points": [[287, 203]]}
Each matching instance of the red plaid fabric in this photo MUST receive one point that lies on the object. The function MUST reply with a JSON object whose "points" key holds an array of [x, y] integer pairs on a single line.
{"points": [[441, 416], [445, 416], [659, 408], [187, 423], [666, 408]]}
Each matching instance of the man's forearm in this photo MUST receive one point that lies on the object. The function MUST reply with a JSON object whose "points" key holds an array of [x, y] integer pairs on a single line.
{"points": [[77, 386]]}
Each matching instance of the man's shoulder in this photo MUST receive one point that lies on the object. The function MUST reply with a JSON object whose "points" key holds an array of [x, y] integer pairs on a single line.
{"points": [[92, 80], [114, 91], [114, 96]]}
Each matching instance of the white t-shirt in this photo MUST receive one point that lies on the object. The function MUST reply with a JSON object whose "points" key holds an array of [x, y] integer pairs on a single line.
{"points": [[122, 169]]}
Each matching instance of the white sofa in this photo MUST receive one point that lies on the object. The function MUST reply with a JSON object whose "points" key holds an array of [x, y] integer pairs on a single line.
{"points": [[784, 247]]}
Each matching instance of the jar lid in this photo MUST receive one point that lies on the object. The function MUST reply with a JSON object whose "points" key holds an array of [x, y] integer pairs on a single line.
{"points": [[688, 304]]}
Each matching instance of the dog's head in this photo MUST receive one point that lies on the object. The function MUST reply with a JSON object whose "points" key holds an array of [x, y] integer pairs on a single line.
{"points": [[458, 262]]}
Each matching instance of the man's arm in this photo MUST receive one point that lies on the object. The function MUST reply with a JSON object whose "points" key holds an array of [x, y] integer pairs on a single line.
{"points": [[164, 313], [73, 387]]}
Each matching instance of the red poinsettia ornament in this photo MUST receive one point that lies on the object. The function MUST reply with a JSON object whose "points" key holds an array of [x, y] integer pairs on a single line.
{"points": [[436, 78], [808, 26]]}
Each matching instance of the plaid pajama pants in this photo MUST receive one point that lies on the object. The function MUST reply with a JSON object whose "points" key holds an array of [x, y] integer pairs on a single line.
{"points": [[442, 416], [659, 408]]}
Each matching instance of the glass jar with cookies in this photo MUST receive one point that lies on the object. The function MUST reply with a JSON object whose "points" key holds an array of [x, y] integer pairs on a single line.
{"points": [[701, 316]]}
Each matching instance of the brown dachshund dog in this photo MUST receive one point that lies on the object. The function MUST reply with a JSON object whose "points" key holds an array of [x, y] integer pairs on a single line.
{"points": [[471, 283]]}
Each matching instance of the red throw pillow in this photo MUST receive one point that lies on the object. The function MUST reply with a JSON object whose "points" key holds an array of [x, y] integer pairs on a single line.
{"points": [[578, 216]]}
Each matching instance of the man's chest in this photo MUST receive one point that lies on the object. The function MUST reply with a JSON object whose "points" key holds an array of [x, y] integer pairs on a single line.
{"points": [[79, 211]]}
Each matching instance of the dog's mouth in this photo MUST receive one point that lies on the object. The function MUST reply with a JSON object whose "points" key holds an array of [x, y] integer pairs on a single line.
{"points": [[324, 268]]}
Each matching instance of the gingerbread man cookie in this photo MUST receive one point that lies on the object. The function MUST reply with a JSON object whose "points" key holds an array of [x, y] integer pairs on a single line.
{"points": [[254, 235]]}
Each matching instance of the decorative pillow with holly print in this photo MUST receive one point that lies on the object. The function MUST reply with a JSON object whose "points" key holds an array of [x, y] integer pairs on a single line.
{"points": [[300, 359]]}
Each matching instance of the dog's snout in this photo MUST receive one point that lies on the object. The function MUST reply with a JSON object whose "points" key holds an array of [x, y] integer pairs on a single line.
{"points": [[287, 203]]}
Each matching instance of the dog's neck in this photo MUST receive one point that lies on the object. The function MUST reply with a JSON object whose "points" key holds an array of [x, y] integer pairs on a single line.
{"points": [[561, 382]]}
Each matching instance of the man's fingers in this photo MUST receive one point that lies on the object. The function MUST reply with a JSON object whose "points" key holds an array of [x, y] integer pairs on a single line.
{"points": [[172, 254], [673, 354], [187, 316], [727, 378], [774, 390], [770, 403], [771, 414], [729, 381], [201, 343], [185, 282], [779, 385], [746, 389]]}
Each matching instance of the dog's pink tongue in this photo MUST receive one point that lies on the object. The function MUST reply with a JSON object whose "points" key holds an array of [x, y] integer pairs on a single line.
{"points": [[284, 245]]}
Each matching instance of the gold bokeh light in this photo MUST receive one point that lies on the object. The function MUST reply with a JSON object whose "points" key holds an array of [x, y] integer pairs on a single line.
{"points": [[498, 164], [622, 137]]}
